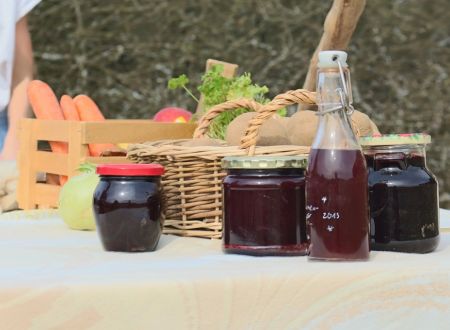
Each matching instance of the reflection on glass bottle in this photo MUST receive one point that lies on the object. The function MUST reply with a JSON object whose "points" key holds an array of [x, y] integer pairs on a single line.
{"points": [[336, 186]]}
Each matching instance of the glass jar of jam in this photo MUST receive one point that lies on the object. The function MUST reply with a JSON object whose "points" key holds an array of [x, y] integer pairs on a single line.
{"points": [[403, 193], [264, 205], [127, 206]]}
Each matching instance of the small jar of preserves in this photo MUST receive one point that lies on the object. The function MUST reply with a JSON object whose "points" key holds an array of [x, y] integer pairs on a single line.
{"points": [[127, 206], [403, 193], [264, 205]]}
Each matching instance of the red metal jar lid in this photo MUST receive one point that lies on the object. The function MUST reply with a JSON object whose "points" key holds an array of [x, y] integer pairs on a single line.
{"points": [[130, 169]]}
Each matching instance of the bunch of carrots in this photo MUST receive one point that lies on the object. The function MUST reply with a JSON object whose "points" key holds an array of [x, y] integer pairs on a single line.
{"points": [[46, 106]]}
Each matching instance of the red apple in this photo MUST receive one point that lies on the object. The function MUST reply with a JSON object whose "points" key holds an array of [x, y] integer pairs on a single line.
{"points": [[173, 115]]}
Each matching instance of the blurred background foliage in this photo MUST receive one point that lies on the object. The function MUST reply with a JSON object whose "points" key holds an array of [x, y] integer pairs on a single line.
{"points": [[123, 52]]}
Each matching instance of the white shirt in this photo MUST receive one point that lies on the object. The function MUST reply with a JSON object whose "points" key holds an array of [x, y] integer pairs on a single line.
{"points": [[10, 12]]}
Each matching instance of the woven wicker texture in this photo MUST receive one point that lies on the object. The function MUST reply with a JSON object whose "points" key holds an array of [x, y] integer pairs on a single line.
{"points": [[193, 180]]}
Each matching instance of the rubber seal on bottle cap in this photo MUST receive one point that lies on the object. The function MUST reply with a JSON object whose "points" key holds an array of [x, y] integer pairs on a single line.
{"points": [[329, 59], [130, 169]]}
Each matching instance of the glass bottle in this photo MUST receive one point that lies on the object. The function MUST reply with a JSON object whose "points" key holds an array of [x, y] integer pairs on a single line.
{"points": [[336, 181]]}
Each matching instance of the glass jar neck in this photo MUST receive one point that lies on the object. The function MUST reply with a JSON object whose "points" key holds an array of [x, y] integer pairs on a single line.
{"points": [[130, 178], [409, 149], [405, 155], [334, 130]]}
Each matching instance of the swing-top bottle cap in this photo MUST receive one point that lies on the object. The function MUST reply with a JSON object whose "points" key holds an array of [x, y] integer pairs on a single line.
{"points": [[329, 58]]}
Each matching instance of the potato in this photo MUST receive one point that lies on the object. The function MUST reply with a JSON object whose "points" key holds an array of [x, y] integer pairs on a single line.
{"points": [[236, 129], [282, 120], [203, 142], [302, 126], [272, 132]]}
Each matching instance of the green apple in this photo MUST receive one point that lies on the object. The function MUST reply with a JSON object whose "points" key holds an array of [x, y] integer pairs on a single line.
{"points": [[75, 200]]}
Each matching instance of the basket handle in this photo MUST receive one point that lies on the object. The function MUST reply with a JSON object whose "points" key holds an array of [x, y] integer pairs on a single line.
{"points": [[266, 111], [298, 96], [206, 119]]}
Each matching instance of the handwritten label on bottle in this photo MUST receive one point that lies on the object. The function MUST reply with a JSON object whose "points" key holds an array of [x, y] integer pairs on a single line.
{"points": [[330, 216], [311, 208]]}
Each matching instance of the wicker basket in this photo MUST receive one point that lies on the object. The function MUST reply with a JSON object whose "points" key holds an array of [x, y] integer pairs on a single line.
{"points": [[193, 179]]}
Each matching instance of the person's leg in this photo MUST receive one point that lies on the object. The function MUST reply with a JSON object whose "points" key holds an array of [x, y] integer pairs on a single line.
{"points": [[3, 127]]}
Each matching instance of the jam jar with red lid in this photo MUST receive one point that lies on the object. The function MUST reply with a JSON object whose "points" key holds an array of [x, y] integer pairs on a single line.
{"points": [[127, 206], [403, 193], [264, 206]]}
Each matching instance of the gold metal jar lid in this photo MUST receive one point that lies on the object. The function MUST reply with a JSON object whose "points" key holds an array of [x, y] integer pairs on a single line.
{"points": [[395, 139], [265, 162]]}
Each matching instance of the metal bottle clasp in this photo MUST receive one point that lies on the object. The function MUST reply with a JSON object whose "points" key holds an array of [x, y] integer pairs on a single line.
{"points": [[343, 95]]}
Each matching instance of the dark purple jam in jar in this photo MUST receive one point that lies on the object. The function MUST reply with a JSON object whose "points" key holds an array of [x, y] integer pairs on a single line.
{"points": [[403, 194], [264, 206], [127, 206]]}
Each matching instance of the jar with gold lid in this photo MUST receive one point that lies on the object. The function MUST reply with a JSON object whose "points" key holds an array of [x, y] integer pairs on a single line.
{"points": [[403, 193], [264, 205]]}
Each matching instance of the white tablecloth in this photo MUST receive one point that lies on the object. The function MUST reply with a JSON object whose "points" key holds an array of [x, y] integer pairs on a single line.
{"points": [[55, 278]]}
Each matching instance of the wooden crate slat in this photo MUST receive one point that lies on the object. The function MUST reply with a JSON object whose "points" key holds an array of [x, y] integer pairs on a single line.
{"points": [[27, 177], [124, 131], [50, 162], [46, 194], [51, 130], [229, 71], [108, 160], [77, 150]]}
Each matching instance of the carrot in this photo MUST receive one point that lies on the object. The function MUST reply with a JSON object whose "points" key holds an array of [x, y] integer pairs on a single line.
{"points": [[43, 101], [45, 106], [68, 108], [89, 111], [55, 179]]}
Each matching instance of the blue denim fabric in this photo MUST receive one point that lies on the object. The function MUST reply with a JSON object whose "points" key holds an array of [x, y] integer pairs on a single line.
{"points": [[3, 127]]}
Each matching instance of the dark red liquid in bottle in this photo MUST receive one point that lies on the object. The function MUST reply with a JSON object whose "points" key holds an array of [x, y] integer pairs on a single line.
{"points": [[337, 205]]}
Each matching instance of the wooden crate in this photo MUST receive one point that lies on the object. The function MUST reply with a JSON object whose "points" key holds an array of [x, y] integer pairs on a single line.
{"points": [[32, 193]]}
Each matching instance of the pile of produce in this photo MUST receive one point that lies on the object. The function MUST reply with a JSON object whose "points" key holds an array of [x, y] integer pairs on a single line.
{"points": [[217, 89], [75, 200], [299, 129], [46, 106]]}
